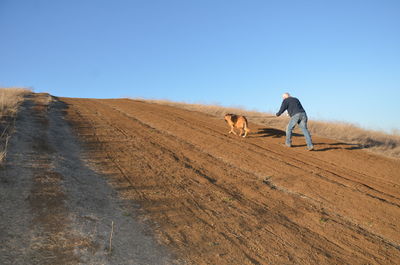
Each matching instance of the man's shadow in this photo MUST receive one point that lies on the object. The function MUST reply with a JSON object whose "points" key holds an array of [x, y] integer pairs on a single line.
{"points": [[276, 133], [335, 146]]}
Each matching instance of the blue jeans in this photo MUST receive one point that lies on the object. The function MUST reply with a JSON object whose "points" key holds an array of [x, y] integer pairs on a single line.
{"points": [[301, 120]]}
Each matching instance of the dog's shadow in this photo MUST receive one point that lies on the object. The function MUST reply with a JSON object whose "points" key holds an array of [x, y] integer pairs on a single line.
{"points": [[271, 132]]}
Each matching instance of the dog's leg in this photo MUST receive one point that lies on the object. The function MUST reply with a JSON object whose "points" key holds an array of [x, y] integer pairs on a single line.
{"points": [[246, 130], [232, 131]]}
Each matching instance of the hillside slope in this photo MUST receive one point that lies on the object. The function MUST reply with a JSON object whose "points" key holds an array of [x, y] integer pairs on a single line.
{"points": [[219, 199]]}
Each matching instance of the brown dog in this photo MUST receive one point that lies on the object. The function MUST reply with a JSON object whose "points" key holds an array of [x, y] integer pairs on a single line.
{"points": [[238, 122]]}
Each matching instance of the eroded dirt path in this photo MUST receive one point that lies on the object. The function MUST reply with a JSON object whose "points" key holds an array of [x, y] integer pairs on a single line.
{"points": [[55, 209], [220, 199]]}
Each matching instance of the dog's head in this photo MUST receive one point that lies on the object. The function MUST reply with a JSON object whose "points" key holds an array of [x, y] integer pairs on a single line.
{"points": [[230, 118]]}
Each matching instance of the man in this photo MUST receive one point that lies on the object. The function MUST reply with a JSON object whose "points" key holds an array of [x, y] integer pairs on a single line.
{"points": [[297, 116]]}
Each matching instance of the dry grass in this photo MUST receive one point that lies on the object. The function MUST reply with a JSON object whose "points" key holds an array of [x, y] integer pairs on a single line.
{"points": [[375, 141], [10, 99]]}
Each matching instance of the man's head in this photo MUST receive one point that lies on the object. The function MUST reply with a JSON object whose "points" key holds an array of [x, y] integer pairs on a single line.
{"points": [[285, 95]]}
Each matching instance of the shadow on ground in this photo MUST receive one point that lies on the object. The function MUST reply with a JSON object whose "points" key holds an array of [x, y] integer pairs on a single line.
{"points": [[276, 133], [336, 146]]}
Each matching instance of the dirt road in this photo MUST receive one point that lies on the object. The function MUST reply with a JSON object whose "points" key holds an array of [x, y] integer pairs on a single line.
{"points": [[219, 199], [55, 209]]}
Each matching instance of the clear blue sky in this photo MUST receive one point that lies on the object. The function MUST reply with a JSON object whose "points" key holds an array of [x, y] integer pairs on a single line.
{"points": [[341, 58]]}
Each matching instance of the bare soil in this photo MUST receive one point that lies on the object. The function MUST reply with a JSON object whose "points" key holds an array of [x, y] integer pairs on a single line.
{"points": [[55, 209], [209, 197], [220, 199]]}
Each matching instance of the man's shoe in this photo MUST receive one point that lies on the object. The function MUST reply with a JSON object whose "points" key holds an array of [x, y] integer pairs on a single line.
{"points": [[310, 148], [288, 145]]}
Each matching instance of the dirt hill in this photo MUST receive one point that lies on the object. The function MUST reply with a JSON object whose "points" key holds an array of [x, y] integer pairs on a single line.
{"points": [[213, 198]]}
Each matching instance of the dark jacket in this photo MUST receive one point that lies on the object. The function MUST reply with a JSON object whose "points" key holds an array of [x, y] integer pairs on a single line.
{"points": [[292, 105]]}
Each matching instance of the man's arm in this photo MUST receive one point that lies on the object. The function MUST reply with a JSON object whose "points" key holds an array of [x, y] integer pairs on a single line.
{"points": [[284, 106]]}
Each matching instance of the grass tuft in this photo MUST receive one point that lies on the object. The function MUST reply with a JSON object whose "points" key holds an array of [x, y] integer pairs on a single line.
{"points": [[10, 99]]}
